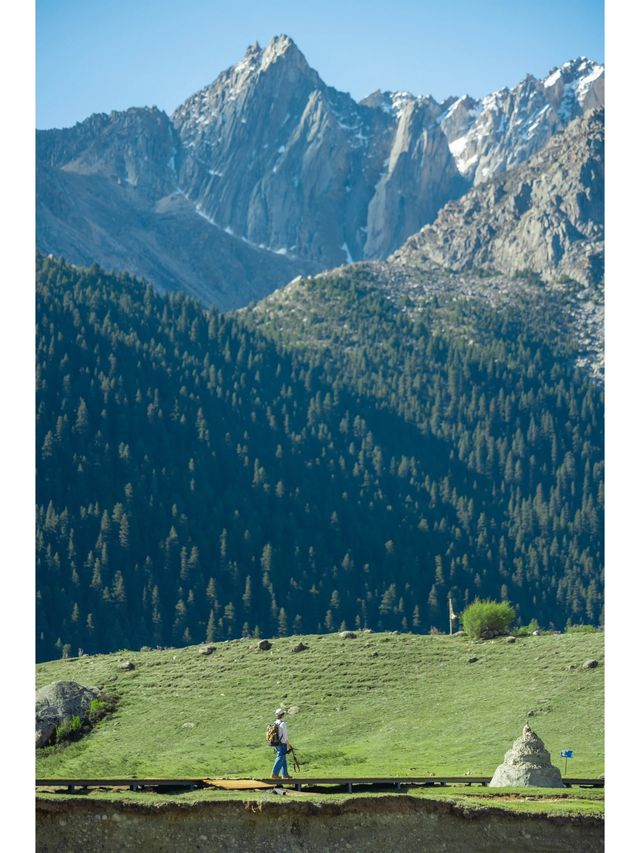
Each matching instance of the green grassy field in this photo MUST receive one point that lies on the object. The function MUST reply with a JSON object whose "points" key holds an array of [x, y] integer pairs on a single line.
{"points": [[381, 704]]}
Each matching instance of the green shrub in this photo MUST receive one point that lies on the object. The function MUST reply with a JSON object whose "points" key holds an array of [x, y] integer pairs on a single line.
{"points": [[526, 630], [486, 618], [68, 728], [100, 708], [97, 710]]}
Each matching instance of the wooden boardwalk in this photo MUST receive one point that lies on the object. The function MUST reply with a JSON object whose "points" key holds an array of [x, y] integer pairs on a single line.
{"points": [[348, 783]]}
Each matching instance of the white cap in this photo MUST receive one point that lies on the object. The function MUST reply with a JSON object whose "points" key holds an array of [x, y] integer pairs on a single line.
{"points": [[280, 712]]}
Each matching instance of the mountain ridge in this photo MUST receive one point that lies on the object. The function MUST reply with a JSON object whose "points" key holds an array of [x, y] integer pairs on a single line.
{"points": [[506, 127], [290, 175], [545, 215]]}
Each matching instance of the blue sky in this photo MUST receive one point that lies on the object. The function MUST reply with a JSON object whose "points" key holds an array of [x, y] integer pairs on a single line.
{"points": [[98, 56]]}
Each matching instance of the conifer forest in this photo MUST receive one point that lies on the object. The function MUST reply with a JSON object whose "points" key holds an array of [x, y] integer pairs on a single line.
{"points": [[203, 476]]}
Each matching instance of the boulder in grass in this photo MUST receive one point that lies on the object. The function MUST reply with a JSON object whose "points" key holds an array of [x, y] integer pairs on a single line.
{"points": [[60, 701], [590, 664], [348, 635], [527, 764], [264, 645], [126, 665], [300, 648], [206, 650]]}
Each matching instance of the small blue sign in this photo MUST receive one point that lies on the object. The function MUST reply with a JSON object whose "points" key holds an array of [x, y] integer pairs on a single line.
{"points": [[566, 753]]}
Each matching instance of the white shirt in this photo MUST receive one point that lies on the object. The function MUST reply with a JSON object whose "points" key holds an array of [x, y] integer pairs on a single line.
{"points": [[282, 728]]}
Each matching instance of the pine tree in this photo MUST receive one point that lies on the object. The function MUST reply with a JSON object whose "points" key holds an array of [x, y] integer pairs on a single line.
{"points": [[211, 627]]}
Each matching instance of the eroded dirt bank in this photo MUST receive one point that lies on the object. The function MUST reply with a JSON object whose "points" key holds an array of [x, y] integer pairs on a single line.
{"points": [[359, 825]]}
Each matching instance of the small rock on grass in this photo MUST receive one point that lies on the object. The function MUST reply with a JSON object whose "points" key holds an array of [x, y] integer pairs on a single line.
{"points": [[590, 664]]}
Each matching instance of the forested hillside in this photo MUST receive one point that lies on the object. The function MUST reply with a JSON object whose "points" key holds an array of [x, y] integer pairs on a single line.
{"points": [[196, 480]]}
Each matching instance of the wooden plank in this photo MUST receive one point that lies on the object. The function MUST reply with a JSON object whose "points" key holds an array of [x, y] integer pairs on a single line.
{"points": [[238, 784]]}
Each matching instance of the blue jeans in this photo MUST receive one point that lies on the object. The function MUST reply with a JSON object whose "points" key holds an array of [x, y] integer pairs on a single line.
{"points": [[281, 761]]}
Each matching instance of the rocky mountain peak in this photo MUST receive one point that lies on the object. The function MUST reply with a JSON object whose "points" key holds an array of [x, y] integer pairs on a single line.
{"points": [[510, 125], [576, 86], [277, 73], [282, 46], [458, 116], [280, 50], [291, 164]]}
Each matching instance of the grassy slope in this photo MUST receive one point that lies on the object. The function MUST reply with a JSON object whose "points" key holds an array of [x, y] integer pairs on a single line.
{"points": [[379, 705]]}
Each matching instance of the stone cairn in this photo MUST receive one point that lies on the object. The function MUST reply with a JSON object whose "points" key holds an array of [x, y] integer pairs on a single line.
{"points": [[527, 764]]}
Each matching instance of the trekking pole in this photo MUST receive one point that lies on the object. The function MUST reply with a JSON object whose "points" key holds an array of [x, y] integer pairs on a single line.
{"points": [[296, 764]]}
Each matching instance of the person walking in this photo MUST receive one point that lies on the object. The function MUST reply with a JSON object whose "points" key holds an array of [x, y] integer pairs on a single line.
{"points": [[282, 748]]}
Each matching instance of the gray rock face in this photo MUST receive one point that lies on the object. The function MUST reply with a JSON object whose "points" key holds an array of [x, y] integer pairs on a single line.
{"points": [[289, 163], [546, 215], [60, 701], [136, 147], [527, 764], [107, 192], [509, 126], [417, 180]]}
